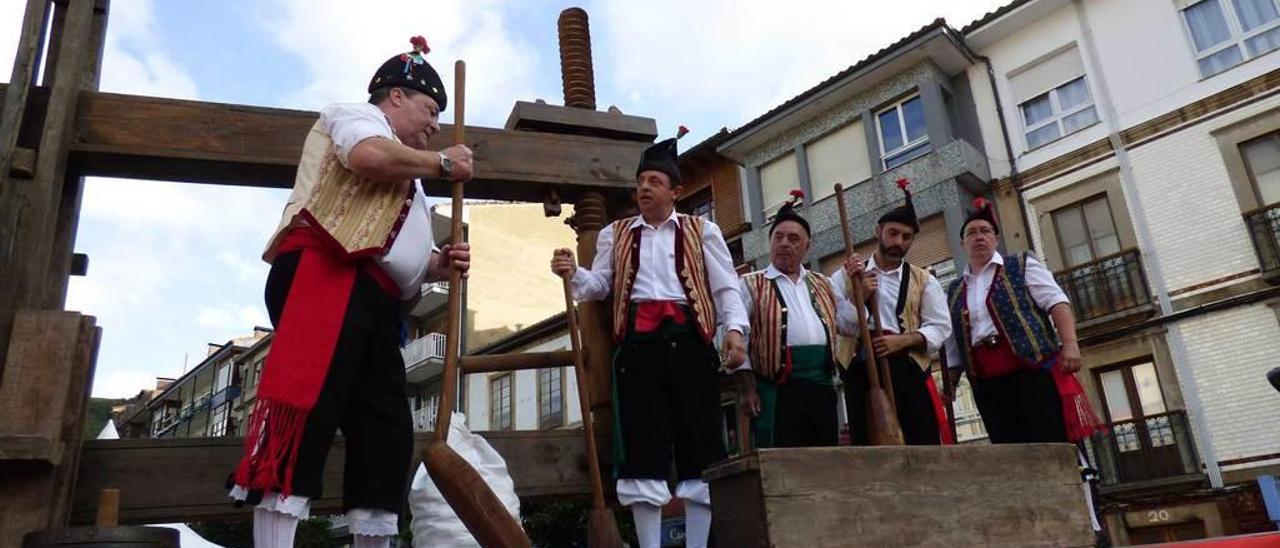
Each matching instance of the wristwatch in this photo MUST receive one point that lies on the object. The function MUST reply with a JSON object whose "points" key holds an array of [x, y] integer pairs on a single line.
{"points": [[446, 166]]}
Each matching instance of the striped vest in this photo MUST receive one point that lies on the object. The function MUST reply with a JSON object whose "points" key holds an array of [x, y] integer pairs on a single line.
{"points": [[908, 308], [361, 216], [690, 267], [769, 318], [1016, 315]]}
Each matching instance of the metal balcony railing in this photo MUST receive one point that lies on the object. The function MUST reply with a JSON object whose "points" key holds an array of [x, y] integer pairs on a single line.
{"points": [[1106, 286]]}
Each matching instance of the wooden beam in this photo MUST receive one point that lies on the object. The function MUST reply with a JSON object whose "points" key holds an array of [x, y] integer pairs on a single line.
{"points": [[29, 207], [201, 142], [68, 217], [493, 363], [30, 43], [168, 480]]}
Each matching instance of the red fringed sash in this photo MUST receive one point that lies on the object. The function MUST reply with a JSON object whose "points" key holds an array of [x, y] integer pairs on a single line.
{"points": [[1081, 421], [944, 427], [299, 360]]}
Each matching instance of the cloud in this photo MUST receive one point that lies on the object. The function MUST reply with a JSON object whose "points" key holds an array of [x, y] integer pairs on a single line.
{"points": [[245, 269], [172, 267], [739, 58], [238, 320], [122, 383], [11, 13], [339, 44], [135, 61]]}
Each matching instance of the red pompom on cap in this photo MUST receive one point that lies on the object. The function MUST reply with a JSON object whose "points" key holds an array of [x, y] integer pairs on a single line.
{"points": [[420, 42]]}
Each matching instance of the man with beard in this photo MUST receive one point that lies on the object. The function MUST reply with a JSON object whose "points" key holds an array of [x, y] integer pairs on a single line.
{"points": [[672, 281], [795, 316], [914, 323]]}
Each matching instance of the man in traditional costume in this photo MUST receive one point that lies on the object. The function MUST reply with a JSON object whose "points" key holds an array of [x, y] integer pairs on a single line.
{"points": [[355, 241], [913, 319], [795, 317], [1021, 366], [672, 281]]}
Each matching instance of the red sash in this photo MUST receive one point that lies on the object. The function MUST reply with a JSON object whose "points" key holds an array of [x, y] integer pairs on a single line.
{"points": [[649, 315], [1081, 421], [299, 359]]}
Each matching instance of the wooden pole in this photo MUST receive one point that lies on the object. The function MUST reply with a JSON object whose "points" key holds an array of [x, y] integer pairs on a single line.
{"points": [[602, 530], [949, 387], [108, 508], [882, 415], [881, 363], [468, 495]]}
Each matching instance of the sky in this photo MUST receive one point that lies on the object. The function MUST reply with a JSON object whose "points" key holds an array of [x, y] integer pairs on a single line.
{"points": [[175, 266]]}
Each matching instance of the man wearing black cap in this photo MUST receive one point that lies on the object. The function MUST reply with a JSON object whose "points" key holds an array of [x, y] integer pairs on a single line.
{"points": [[913, 319], [354, 241], [795, 316], [672, 281], [1021, 366]]}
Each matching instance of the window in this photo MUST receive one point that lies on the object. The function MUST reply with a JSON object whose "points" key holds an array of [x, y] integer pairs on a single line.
{"points": [[1226, 32], [903, 134], [501, 398], [1061, 111], [1262, 160], [223, 379], [777, 179], [218, 424], [1086, 231], [1053, 97], [700, 205], [1132, 395], [944, 271], [837, 157], [550, 397]]}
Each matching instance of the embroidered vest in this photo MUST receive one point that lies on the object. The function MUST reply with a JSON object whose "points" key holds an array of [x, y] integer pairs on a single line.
{"points": [[690, 267], [361, 216], [769, 318], [910, 296], [1016, 315]]}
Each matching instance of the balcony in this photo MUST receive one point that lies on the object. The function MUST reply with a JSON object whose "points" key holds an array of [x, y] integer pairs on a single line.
{"points": [[1152, 451], [432, 296], [423, 358], [1107, 289], [424, 420], [225, 395], [1264, 228]]}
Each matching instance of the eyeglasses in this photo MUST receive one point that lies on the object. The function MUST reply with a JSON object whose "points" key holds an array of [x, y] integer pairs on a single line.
{"points": [[978, 231]]}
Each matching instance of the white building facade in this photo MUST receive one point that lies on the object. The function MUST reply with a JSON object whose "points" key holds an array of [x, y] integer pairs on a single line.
{"points": [[1145, 138]]}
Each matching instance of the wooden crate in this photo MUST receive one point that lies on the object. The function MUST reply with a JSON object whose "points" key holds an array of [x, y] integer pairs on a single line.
{"points": [[972, 495]]}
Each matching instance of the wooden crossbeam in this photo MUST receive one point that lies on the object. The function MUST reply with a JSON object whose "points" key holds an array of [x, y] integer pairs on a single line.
{"points": [[168, 480], [493, 363], [193, 141]]}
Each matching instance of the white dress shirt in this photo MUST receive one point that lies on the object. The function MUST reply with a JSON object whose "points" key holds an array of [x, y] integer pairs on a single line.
{"points": [[349, 124], [935, 321], [656, 278], [1044, 291], [804, 326]]}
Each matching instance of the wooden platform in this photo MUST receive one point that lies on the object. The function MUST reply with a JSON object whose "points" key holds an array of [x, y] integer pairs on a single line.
{"points": [[162, 481], [972, 495]]}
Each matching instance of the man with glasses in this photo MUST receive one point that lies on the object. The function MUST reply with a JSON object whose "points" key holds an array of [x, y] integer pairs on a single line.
{"points": [[1021, 366]]}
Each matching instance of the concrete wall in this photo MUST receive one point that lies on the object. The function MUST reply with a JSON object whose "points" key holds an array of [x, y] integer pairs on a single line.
{"points": [[510, 284], [934, 177]]}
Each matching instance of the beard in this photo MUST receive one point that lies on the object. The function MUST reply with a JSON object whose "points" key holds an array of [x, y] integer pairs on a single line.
{"points": [[893, 253]]}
